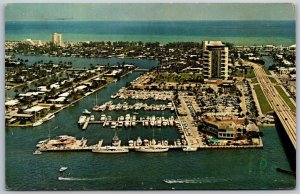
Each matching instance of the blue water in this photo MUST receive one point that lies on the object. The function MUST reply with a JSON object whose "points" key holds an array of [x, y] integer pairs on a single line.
{"points": [[237, 32]]}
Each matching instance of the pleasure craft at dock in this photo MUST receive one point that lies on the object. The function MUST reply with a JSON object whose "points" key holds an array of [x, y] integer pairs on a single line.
{"points": [[110, 150]]}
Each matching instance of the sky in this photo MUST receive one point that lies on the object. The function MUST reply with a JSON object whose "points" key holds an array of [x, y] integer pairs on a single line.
{"points": [[200, 11]]}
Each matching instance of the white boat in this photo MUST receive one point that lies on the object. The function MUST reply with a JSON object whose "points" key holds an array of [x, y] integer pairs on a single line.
{"points": [[86, 112], [152, 123], [139, 141], [126, 124], [92, 118], [130, 142], [81, 120], [113, 125], [120, 124], [41, 143], [133, 123], [116, 141], [103, 117], [110, 150], [189, 149], [37, 123], [113, 96], [37, 152], [63, 168], [152, 149], [135, 113]]}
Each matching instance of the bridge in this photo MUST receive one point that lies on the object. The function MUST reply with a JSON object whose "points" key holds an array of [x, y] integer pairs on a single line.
{"points": [[286, 116]]}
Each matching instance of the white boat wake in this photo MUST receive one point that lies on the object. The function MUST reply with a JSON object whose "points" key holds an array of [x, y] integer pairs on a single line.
{"points": [[195, 180], [77, 179]]}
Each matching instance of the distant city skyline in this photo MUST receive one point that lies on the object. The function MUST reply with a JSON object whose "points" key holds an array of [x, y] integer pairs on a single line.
{"points": [[153, 11]]}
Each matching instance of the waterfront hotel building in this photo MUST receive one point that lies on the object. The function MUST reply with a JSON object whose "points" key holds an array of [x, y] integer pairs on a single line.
{"points": [[215, 60], [57, 39]]}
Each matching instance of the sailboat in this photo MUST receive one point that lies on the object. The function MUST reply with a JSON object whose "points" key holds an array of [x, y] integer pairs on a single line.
{"points": [[96, 106]]}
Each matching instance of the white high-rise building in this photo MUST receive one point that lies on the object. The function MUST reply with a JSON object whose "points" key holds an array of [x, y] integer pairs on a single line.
{"points": [[57, 39], [215, 60]]}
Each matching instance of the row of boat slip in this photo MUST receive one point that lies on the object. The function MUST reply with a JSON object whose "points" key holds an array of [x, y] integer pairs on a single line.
{"points": [[124, 93], [137, 106], [85, 118]]}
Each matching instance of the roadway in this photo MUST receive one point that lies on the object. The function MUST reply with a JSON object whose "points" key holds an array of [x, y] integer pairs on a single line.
{"points": [[286, 116]]}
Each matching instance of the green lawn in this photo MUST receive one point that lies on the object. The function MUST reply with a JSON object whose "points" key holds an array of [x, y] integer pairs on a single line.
{"points": [[254, 80], [286, 98], [273, 80], [263, 102]]}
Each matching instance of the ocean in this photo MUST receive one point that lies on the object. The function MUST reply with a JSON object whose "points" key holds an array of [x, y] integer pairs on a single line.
{"points": [[236, 32]]}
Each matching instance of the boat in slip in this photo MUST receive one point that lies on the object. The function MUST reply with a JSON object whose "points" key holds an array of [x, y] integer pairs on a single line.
{"points": [[152, 149], [189, 149], [81, 120], [110, 150]]}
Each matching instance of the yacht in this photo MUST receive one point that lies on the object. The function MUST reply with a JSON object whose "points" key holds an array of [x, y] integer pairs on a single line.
{"points": [[110, 150], [139, 141], [126, 124], [152, 149], [120, 124], [113, 124], [103, 117], [189, 149], [81, 120], [130, 143], [92, 118], [133, 123], [86, 112], [63, 168], [116, 141], [146, 123]]}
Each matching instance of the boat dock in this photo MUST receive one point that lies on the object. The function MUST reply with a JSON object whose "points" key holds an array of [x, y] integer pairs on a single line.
{"points": [[128, 121], [135, 145]]}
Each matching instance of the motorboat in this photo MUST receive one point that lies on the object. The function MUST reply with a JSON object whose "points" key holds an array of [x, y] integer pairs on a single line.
{"points": [[81, 120], [130, 143], [139, 141], [86, 112], [37, 152], [110, 150], [63, 168], [189, 149], [152, 149]]}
